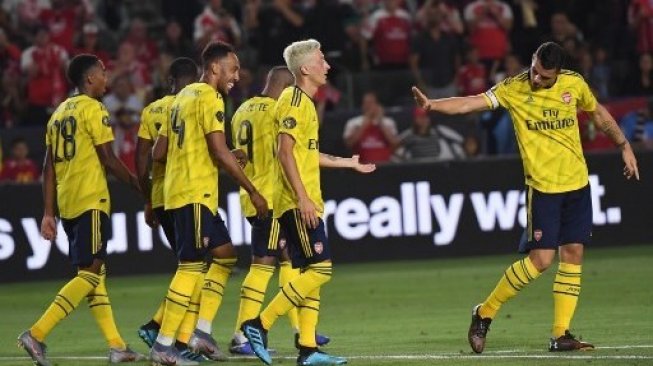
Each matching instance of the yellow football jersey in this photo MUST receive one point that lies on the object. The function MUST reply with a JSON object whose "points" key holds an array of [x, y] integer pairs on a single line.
{"points": [[78, 125], [254, 131], [191, 174], [296, 116], [154, 116], [546, 126]]}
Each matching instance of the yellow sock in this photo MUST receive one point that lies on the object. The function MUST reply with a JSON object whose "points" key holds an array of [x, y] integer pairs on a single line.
{"points": [[566, 290], [213, 290], [187, 325], [287, 274], [64, 303], [518, 275], [309, 312], [178, 300], [295, 291], [158, 316], [252, 292], [100, 305]]}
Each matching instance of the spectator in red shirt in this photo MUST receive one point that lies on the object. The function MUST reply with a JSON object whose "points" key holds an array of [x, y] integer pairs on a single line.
{"points": [[19, 168], [489, 22], [216, 24], [88, 43], [60, 21], [372, 135], [640, 19], [46, 85], [389, 29], [145, 48], [126, 63], [125, 132], [472, 76]]}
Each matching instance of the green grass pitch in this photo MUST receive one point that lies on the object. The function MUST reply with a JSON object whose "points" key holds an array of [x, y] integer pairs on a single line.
{"points": [[393, 313]]}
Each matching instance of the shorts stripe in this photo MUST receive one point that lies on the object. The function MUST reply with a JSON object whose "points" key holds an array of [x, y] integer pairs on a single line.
{"points": [[274, 235], [300, 232], [197, 215], [529, 214]]}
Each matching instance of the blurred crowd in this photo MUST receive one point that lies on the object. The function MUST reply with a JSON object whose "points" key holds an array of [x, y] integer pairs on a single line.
{"points": [[377, 49]]}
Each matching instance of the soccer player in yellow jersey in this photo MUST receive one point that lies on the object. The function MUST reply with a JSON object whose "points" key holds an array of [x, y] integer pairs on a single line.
{"points": [[255, 132], [182, 72], [78, 139], [193, 144], [298, 206], [543, 103]]}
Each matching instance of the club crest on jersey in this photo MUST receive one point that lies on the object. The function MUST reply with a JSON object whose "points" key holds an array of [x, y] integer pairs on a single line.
{"points": [[282, 243], [105, 120], [289, 123], [205, 241], [566, 97], [537, 235], [319, 247], [220, 116]]}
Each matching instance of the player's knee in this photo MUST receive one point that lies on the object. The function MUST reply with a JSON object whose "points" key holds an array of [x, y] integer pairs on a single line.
{"points": [[571, 253], [267, 260], [224, 251], [94, 267], [542, 259]]}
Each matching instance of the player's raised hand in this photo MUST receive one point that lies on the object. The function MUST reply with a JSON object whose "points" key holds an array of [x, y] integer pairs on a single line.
{"points": [[49, 228], [261, 205], [630, 170], [361, 168], [420, 98], [308, 212], [241, 157]]}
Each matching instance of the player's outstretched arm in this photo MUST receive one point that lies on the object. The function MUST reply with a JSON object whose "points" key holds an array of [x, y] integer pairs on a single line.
{"points": [[330, 161], [220, 152], [307, 209], [455, 105], [48, 223], [604, 121], [143, 167], [160, 149], [115, 166]]}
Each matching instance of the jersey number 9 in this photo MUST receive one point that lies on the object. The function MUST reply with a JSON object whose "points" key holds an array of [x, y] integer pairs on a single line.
{"points": [[246, 137]]}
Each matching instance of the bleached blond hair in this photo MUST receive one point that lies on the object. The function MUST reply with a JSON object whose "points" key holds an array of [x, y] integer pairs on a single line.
{"points": [[295, 54]]}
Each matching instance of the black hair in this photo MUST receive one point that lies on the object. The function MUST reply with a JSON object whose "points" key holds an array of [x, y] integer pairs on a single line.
{"points": [[551, 55], [183, 67], [215, 51], [18, 140], [79, 67]]}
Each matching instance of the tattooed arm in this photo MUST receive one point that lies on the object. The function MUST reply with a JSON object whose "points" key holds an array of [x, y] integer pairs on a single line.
{"points": [[330, 161], [604, 121]]}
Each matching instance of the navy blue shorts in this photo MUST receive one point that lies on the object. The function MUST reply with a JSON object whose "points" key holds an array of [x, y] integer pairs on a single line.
{"points": [[268, 239], [306, 246], [555, 219], [167, 224], [87, 234], [197, 231]]}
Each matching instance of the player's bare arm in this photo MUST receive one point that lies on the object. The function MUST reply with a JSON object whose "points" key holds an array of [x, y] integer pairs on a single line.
{"points": [[48, 223], [143, 167], [160, 149], [241, 157], [604, 121], [115, 166], [454, 105], [306, 207], [330, 161], [220, 152]]}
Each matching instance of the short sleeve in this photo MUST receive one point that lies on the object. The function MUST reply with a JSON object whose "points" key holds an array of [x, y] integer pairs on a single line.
{"points": [[97, 122], [586, 99], [289, 117], [211, 109], [496, 96], [143, 129]]}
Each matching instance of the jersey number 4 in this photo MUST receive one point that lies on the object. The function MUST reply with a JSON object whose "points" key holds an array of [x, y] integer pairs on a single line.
{"points": [[64, 131], [178, 126]]}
